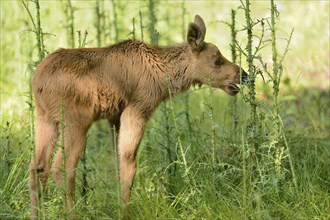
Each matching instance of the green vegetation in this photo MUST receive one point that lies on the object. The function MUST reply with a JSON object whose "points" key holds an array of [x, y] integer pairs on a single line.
{"points": [[264, 154]]}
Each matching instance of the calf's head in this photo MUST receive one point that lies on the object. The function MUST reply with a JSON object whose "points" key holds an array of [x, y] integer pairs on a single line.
{"points": [[210, 67]]}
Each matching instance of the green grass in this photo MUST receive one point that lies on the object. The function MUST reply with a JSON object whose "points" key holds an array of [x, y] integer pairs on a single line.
{"points": [[192, 163]]}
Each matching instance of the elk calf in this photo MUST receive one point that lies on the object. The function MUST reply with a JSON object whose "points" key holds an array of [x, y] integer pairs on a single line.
{"points": [[122, 83]]}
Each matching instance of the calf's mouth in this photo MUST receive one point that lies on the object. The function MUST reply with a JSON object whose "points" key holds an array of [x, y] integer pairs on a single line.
{"points": [[232, 89]]}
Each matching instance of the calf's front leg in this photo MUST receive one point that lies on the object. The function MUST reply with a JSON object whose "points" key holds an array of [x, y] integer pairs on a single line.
{"points": [[131, 131]]}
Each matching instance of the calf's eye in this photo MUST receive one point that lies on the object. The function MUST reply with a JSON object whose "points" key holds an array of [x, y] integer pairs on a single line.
{"points": [[217, 63]]}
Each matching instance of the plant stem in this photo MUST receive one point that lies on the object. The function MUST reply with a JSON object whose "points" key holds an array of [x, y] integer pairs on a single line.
{"points": [[153, 21], [233, 36], [276, 79], [141, 25], [37, 29], [39, 33], [244, 171], [69, 13], [98, 23], [253, 124], [251, 70], [115, 19], [183, 24], [234, 57]]}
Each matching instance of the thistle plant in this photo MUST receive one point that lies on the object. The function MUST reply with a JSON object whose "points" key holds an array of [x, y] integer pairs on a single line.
{"points": [[39, 34], [99, 22], [252, 77], [115, 19], [69, 18], [153, 33], [187, 94], [272, 141], [276, 79], [233, 46], [37, 29], [82, 40]]}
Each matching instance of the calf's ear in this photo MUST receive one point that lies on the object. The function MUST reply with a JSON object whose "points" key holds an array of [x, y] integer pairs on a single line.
{"points": [[196, 34]]}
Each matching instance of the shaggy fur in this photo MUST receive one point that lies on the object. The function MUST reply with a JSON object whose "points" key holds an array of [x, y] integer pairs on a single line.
{"points": [[123, 83]]}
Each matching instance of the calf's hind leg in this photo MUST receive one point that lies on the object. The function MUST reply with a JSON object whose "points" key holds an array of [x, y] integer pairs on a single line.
{"points": [[46, 135], [74, 144]]}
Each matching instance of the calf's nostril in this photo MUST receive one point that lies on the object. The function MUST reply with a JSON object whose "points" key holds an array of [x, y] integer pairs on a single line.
{"points": [[245, 78]]}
